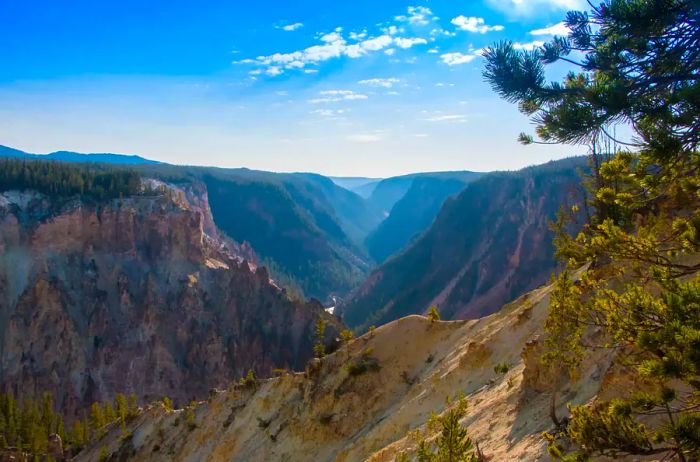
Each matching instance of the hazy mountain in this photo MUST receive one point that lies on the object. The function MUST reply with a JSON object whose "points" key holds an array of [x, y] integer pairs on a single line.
{"points": [[67, 156], [366, 190], [488, 245], [389, 191], [357, 216], [411, 215], [354, 183]]}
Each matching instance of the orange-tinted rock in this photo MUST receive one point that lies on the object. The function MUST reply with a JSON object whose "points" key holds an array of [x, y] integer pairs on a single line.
{"points": [[133, 296]]}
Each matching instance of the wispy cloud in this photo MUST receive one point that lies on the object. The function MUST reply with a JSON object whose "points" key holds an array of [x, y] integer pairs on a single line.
{"points": [[333, 96], [532, 7], [384, 83], [332, 114], [447, 118], [364, 138], [529, 46], [557, 29], [291, 27], [409, 42], [457, 58], [419, 15], [332, 45], [474, 24]]}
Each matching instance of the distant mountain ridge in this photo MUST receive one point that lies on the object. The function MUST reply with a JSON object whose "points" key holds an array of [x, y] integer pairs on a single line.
{"points": [[412, 214], [318, 238], [306, 229], [388, 192], [68, 156], [355, 184], [488, 245]]}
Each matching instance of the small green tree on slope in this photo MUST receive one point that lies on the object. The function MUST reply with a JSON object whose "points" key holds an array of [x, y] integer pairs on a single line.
{"points": [[453, 444], [637, 64], [320, 345]]}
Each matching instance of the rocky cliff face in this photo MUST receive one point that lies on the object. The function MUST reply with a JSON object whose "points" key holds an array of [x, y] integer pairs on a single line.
{"points": [[135, 295], [488, 245], [330, 413]]}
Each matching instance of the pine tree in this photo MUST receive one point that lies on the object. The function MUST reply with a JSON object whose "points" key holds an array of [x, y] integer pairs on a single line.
{"points": [[133, 406], [97, 420], [109, 413], [320, 345], [635, 259], [121, 409], [433, 314], [167, 404], [453, 443]]}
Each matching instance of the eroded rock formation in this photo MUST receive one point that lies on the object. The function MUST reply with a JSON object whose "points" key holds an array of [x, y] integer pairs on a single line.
{"points": [[136, 295]]}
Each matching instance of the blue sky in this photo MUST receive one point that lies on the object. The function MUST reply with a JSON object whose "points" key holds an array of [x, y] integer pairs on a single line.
{"points": [[373, 88]]}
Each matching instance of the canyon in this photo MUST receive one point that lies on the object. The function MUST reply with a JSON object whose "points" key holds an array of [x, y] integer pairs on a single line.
{"points": [[136, 295]]}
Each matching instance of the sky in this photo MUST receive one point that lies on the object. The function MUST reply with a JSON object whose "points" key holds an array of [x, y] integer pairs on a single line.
{"points": [[364, 88]]}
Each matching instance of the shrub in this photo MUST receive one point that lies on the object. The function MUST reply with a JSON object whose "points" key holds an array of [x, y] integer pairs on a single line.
{"points": [[433, 314], [362, 365], [249, 380], [501, 368], [167, 404]]}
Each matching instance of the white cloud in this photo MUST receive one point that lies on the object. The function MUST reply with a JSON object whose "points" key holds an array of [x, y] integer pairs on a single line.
{"points": [[532, 7], [438, 31], [332, 37], [358, 35], [384, 83], [528, 46], [447, 118], [333, 45], [364, 138], [292, 27], [419, 15], [334, 96], [409, 42], [393, 30], [456, 58], [474, 24], [377, 43], [329, 113], [557, 29]]}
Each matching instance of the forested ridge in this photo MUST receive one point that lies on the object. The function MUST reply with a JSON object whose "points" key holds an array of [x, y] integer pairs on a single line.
{"points": [[62, 179], [32, 426]]}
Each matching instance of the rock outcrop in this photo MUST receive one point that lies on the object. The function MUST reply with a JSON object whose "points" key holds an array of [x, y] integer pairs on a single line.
{"points": [[137, 295], [334, 412]]}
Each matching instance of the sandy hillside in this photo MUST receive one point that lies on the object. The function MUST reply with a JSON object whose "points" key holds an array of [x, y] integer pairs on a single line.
{"points": [[328, 414]]}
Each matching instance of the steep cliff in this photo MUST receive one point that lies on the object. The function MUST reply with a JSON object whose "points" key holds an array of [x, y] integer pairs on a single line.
{"points": [[335, 413], [488, 245], [411, 215], [137, 294]]}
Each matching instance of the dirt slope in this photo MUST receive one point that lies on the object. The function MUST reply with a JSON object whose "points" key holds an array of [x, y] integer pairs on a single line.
{"points": [[328, 414]]}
